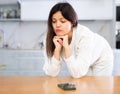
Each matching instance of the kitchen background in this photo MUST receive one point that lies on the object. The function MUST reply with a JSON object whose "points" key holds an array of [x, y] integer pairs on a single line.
{"points": [[23, 26]]}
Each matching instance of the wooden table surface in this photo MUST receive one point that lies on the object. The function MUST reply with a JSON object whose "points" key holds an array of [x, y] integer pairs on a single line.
{"points": [[48, 85]]}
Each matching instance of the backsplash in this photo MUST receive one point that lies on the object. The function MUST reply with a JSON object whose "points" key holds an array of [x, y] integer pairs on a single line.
{"points": [[23, 35], [31, 34]]}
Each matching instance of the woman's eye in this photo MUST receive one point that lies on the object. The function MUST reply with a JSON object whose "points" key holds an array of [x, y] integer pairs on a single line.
{"points": [[63, 21], [53, 21]]}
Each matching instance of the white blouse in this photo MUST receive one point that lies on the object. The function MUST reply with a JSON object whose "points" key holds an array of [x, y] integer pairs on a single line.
{"points": [[91, 55]]}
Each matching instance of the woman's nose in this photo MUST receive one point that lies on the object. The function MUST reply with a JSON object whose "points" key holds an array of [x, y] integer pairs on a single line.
{"points": [[58, 24]]}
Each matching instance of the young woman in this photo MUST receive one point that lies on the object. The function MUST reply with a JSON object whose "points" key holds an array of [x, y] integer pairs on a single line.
{"points": [[84, 52]]}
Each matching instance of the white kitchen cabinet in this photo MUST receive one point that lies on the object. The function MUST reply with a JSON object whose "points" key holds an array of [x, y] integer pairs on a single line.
{"points": [[94, 9], [30, 63], [86, 9], [21, 62], [25, 63], [35, 10]]}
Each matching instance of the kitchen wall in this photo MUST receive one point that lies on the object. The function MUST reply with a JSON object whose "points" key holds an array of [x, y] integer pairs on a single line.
{"points": [[31, 34], [23, 35]]}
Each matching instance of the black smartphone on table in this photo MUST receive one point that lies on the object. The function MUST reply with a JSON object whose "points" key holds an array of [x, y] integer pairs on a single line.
{"points": [[67, 86]]}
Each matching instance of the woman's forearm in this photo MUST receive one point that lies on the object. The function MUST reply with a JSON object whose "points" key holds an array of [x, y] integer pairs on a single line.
{"points": [[67, 52], [57, 54]]}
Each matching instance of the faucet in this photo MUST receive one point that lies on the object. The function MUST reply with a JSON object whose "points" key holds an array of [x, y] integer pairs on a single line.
{"points": [[41, 44]]}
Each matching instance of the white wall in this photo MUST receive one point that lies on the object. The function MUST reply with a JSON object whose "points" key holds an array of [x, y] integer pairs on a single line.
{"points": [[23, 35], [28, 35]]}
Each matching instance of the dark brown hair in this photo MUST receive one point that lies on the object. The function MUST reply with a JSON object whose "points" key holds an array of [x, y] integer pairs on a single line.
{"points": [[68, 13]]}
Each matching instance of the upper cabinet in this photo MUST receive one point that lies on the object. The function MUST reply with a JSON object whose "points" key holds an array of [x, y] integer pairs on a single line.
{"points": [[94, 9], [37, 10], [9, 12], [86, 9]]}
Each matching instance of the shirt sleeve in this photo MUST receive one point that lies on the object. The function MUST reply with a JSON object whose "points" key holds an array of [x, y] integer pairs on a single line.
{"points": [[52, 66]]}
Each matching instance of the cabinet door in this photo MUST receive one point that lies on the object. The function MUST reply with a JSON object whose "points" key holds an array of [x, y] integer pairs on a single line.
{"points": [[35, 10], [86, 9], [94, 9], [21, 62]]}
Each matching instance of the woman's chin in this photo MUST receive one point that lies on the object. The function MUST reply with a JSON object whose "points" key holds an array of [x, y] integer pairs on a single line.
{"points": [[60, 34]]}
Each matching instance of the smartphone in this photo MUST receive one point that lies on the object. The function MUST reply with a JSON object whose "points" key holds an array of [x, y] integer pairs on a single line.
{"points": [[67, 86]]}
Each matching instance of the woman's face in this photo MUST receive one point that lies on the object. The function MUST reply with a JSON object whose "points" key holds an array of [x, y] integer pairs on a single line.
{"points": [[61, 25]]}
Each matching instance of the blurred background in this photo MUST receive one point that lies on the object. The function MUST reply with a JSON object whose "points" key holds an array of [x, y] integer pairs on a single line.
{"points": [[23, 25]]}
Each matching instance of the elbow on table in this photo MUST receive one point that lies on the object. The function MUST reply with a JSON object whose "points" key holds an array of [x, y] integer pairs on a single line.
{"points": [[52, 74], [77, 75]]}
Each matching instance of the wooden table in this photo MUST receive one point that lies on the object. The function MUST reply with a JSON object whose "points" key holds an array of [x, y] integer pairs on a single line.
{"points": [[48, 85]]}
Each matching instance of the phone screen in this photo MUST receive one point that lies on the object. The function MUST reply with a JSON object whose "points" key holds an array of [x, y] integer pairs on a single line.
{"points": [[67, 86]]}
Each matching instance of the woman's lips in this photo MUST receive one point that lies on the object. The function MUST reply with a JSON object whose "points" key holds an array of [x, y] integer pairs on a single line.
{"points": [[58, 30]]}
